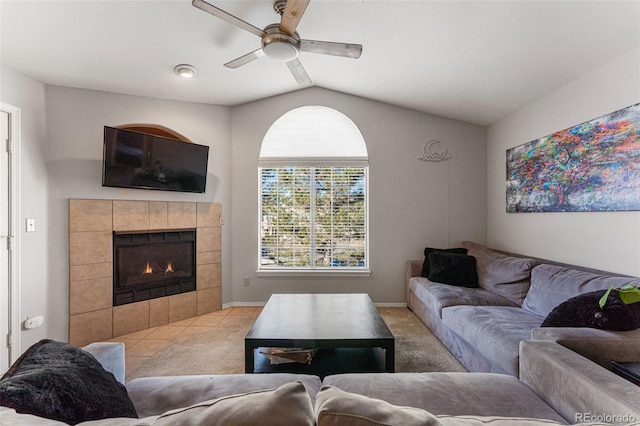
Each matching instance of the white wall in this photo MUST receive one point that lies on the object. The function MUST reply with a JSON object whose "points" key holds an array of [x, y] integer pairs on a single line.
{"points": [[75, 121], [607, 240], [29, 95], [412, 204]]}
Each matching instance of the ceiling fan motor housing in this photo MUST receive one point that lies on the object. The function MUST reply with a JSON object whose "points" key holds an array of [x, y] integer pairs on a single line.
{"points": [[279, 45]]}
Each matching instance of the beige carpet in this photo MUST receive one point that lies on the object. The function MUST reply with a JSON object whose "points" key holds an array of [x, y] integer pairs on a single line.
{"points": [[220, 350]]}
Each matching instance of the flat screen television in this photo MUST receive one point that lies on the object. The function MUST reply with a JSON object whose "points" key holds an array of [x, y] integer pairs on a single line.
{"points": [[139, 160]]}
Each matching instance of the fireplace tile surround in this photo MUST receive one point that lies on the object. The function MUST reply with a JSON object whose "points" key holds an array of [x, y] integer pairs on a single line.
{"points": [[92, 316]]}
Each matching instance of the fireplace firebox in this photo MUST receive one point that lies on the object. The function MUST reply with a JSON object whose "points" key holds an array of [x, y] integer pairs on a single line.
{"points": [[153, 264]]}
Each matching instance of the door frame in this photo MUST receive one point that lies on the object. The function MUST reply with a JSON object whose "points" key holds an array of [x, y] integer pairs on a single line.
{"points": [[14, 229]]}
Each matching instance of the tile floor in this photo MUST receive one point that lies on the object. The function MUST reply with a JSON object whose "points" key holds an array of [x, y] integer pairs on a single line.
{"points": [[139, 346]]}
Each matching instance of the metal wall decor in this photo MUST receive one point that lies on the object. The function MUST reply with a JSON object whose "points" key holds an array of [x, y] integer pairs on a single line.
{"points": [[433, 151], [593, 166]]}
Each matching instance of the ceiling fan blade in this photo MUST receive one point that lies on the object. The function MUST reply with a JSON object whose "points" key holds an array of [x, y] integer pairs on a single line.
{"points": [[347, 50], [219, 13], [301, 76], [245, 59], [292, 15]]}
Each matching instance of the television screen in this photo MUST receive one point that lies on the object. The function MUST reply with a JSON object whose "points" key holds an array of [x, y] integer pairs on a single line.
{"points": [[138, 160]]}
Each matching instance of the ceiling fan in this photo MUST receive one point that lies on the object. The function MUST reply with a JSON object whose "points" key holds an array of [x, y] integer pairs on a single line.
{"points": [[281, 41]]}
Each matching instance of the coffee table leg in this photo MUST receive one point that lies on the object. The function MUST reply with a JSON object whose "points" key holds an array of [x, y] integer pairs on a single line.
{"points": [[248, 358], [390, 359]]}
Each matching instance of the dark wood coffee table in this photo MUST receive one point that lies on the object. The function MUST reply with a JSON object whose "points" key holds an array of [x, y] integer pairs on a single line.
{"points": [[628, 370], [339, 323]]}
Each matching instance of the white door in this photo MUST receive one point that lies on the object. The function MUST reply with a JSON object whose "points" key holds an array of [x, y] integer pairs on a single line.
{"points": [[5, 302]]}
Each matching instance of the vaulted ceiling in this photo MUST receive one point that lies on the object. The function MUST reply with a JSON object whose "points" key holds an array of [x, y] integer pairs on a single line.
{"points": [[476, 61]]}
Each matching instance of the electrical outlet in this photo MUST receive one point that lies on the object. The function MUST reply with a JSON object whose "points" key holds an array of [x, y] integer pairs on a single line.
{"points": [[246, 281], [34, 322], [30, 225]]}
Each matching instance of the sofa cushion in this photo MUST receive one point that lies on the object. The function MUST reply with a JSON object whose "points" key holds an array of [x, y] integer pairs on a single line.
{"points": [[438, 296], [455, 394], [501, 274], [494, 331], [335, 407], [453, 269], [500, 421], [9, 417], [552, 285], [585, 311], [426, 265], [287, 405], [59, 381], [155, 395]]}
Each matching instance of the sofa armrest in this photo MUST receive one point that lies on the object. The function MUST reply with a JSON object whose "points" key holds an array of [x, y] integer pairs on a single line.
{"points": [[111, 356], [600, 346], [413, 268], [576, 387]]}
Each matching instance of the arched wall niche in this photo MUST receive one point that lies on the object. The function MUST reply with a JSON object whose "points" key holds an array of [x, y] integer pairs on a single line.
{"points": [[155, 130]]}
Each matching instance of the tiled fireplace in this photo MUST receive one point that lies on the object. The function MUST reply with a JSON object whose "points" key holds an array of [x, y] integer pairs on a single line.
{"points": [[93, 225]]}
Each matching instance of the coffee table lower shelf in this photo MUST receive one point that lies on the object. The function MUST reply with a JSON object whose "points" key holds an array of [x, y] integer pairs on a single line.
{"points": [[328, 361]]}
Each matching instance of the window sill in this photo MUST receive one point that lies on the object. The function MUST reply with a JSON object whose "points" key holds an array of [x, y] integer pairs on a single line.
{"points": [[266, 273]]}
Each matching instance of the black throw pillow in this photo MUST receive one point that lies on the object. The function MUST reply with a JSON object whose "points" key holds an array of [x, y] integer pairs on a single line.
{"points": [[426, 266], [62, 382], [584, 311], [453, 269]]}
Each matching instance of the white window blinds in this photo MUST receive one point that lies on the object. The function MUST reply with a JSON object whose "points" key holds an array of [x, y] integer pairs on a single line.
{"points": [[313, 193]]}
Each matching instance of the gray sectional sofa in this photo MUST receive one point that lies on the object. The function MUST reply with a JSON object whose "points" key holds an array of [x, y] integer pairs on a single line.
{"points": [[484, 326], [557, 386]]}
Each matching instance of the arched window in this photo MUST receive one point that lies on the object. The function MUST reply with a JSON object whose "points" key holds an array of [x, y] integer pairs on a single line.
{"points": [[313, 172]]}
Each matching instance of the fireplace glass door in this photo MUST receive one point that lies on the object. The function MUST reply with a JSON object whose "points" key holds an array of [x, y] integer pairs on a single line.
{"points": [[153, 264]]}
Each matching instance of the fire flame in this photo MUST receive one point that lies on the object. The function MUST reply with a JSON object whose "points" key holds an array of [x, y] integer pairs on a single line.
{"points": [[148, 269], [169, 268]]}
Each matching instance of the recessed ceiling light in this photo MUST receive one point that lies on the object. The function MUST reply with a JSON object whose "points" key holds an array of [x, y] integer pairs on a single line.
{"points": [[185, 70]]}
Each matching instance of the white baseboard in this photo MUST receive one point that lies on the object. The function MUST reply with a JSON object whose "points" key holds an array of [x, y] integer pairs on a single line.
{"points": [[390, 305], [243, 304], [260, 304]]}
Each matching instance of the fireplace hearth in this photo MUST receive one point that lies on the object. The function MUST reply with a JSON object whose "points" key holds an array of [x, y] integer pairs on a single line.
{"points": [[153, 264]]}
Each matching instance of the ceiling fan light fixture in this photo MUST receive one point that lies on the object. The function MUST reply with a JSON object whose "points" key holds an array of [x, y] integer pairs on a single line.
{"points": [[281, 51], [185, 70]]}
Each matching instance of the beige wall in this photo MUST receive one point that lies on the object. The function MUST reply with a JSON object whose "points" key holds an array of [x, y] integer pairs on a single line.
{"points": [[71, 154], [35, 265], [609, 241], [412, 203]]}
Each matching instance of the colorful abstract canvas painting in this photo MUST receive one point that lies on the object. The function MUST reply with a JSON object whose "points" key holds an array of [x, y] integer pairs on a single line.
{"points": [[593, 166]]}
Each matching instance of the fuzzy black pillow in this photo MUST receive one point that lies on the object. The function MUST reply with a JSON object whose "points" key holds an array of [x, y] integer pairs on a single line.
{"points": [[62, 382], [453, 269], [584, 311], [426, 265]]}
